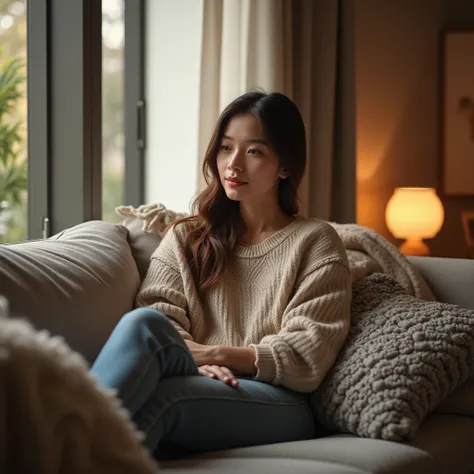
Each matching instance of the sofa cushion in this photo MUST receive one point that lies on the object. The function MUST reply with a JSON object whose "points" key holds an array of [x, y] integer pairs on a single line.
{"points": [[447, 439], [142, 243], [76, 284], [403, 356], [345, 453], [442, 444], [450, 279], [460, 402], [260, 466]]}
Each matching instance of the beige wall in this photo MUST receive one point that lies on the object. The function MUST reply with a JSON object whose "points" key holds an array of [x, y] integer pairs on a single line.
{"points": [[398, 107]]}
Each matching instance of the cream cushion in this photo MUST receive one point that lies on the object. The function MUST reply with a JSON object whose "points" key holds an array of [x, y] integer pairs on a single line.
{"points": [[76, 284]]}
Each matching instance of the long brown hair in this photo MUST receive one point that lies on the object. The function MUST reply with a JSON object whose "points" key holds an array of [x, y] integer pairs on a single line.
{"points": [[216, 223]]}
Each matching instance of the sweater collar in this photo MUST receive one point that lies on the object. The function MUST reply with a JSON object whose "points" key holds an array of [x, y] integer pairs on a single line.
{"points": [[257, 250]]}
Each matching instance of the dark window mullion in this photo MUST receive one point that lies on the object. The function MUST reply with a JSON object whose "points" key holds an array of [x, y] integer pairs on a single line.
{"points": [[38, 115], [134, 101], [92, 80]]}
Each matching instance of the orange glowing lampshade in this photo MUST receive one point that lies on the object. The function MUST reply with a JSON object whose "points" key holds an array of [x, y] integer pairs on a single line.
{"points": [[414, 214]]}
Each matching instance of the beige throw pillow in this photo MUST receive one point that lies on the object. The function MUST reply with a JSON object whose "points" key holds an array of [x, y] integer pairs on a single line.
{"points": [[142, 243], [76, 284]]}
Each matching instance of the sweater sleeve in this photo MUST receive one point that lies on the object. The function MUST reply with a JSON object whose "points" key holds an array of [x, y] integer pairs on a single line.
{"points": [[314, 327], [163, 289]]}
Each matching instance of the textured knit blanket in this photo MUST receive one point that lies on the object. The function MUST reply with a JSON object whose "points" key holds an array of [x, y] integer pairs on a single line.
{"points": [[368, 252], [155, 216], [53, 417], [403, 356]]}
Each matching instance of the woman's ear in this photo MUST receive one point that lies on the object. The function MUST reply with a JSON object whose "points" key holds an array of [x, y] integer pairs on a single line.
{"points": [[283, 173]]}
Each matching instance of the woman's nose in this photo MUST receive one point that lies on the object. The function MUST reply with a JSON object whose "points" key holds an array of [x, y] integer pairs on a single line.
{"points": [[236, 161]]}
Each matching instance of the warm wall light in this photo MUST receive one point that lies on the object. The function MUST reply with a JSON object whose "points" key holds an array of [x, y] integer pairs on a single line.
{"points": [[414, 214]]}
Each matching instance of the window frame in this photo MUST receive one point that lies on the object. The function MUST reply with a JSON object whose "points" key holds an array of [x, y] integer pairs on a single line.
{"points": [[64, 100]]}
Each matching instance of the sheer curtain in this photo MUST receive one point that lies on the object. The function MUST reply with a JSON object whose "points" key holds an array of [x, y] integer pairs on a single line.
{"points": [[242, 49], [304, 49]]}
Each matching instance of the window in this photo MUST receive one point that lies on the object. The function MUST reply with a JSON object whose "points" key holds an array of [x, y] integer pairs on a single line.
{"points": [[173, 61], [13, 121], [113, 142], [82, 110]]}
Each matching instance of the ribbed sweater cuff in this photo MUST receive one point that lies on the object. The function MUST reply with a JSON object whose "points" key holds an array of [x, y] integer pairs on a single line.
{"points": [[265, 363]]}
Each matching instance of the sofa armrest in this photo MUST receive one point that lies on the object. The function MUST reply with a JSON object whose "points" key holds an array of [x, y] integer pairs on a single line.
{"points": [[450, 279]]}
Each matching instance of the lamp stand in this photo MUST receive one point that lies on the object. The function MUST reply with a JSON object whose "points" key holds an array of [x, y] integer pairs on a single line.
{"points": [[414, 247]]}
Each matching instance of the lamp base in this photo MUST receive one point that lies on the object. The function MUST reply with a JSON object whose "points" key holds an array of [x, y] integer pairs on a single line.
{"points": [[414, 247]]}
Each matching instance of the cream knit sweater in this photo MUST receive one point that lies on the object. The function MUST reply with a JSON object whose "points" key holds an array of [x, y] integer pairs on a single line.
{"points": [[288, 297]]}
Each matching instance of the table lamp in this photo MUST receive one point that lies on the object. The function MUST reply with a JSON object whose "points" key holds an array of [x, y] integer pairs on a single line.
{"points": [[414, 214]]}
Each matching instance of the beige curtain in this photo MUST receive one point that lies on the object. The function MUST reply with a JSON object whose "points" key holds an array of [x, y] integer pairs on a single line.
{"points": [[302, 48]]}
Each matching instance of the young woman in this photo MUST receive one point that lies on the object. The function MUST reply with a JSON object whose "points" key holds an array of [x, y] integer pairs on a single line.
{"points": [[245, 305]]}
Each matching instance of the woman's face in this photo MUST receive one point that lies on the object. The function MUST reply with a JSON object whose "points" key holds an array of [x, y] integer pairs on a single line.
{"points": [[248, 168]]}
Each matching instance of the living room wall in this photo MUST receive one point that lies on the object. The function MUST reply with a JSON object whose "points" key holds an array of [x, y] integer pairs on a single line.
{"points": [[398, 108]]}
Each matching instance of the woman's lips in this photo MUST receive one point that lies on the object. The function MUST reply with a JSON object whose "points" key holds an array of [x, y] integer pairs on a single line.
{"points": [[235, 184]]}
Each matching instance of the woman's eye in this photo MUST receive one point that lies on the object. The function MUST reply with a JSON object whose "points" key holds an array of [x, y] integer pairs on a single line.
{"points": [[254, 151], [224, 148]]}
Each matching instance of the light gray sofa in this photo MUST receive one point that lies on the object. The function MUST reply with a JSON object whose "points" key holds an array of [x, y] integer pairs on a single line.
{"points": [[80, 282]]}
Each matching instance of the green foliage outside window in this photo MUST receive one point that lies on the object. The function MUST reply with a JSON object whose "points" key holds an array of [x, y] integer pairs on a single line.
{"points": [[13, 116], [13, 162]]}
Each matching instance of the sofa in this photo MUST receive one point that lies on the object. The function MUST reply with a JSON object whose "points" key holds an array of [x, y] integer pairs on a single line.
{"points": [[78, 283]]}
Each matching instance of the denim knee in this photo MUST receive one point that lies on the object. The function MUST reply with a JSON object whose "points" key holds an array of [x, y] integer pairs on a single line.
{"points": [[147, 320]]}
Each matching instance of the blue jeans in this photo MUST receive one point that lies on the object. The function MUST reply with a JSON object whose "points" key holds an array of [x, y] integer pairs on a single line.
{"points": [[147, 361]]}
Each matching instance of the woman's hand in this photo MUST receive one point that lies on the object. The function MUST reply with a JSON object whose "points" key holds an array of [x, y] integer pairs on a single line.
{"points": [[221, 373], [202, 354], [240, 360]]}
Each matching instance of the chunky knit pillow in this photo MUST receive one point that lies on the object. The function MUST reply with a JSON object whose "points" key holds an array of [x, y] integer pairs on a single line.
{"points": [[54, 418], [403, 356]]}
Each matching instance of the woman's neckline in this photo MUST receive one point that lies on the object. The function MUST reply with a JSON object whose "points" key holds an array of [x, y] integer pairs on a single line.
{"points": [[270, 242]]}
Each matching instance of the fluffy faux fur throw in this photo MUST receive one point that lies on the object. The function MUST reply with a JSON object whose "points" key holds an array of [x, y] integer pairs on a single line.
{"points": [[53, 418], [368, 252]]}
